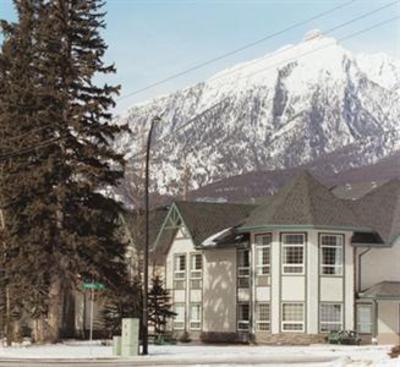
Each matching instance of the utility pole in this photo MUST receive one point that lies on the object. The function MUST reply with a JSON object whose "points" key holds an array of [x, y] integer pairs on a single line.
{"points": [[145, 329]]}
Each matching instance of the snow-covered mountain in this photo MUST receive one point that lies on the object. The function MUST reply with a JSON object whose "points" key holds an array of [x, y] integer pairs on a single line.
{"points": [[306, 102]]}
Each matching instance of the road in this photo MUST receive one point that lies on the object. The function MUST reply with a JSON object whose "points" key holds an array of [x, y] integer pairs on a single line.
{"points": [[264, 361]]}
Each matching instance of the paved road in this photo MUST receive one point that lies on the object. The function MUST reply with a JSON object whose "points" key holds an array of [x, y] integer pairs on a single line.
{"points": [[157, 361]]}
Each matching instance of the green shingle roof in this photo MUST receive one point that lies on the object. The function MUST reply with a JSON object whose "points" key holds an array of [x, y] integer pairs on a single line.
{"points": [[380, 209], [304, 201], [383, 290], [205, 219]]}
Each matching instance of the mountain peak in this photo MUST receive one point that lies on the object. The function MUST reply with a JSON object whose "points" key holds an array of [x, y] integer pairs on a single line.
{"points": [[313, 101], [313, 34]]}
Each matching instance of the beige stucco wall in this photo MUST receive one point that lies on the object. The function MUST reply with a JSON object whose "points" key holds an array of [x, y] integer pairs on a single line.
{"points": [[181, 245], [388, 322], [219, 291], [380, 264]]}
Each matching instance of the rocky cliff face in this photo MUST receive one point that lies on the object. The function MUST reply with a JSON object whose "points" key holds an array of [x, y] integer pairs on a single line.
{"points": [[307, 102]]}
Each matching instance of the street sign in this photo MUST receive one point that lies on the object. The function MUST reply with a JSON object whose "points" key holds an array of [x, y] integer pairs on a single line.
{"points": [[93, 286]]}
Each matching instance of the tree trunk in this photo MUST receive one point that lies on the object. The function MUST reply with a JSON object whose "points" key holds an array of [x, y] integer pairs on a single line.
{"points": [[54, 311], [38, 331]]}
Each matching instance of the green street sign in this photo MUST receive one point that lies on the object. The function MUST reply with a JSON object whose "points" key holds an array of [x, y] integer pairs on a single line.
{"points": [[93, 286]]}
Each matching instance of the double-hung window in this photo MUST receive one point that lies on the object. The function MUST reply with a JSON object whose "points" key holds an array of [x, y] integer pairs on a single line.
{"points": [[263, 254], [243, 272], [330, 317], [179, 271], [293, 253], [179, 319], [331, 254], [263, 317], [293, 317], [364, 318], [243, 316], [195, 316], [196, 269]]}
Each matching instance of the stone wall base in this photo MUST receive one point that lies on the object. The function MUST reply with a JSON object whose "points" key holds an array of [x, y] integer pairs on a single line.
{"points": [[290, 338]]}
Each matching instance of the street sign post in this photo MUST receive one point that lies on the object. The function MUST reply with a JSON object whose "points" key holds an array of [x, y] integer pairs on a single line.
{"points": [[92, 286]]}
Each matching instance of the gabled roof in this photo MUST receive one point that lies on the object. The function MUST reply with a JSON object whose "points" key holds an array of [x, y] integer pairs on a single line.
{"points": [[382, 290], [205, 219], [304, 202], [135, 220], [380, 209]]}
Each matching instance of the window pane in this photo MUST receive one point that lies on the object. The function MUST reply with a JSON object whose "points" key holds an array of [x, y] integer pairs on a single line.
{"points": [[331, 254], [180, 312], [330, 317], [195, 312], [244, 314], [293, 255], [293, 239], [244, 259], [293, 312], [364, 319], [263, 312], [196, 262], [263, 239]]}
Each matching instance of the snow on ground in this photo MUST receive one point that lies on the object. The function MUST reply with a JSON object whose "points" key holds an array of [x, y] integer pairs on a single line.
{"points": [[314, 355]]}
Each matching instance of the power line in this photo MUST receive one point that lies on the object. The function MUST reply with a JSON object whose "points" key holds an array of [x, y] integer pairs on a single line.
{"points": [[237, 50], [326, 32], [349, 36], [54, 140], [352, 35]]}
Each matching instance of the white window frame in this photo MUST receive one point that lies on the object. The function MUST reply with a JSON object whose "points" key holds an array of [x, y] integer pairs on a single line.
{"points": [[371, 324], [339, 246], [195, 324], [285, 247], [243, 272], [263, 325], [179, 324], [194, 272], [260, 266], [241, 322], [286, 323], [178, 273], [324, 325]]}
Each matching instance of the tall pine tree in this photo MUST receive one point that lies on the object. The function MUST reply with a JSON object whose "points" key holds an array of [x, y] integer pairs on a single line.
{"points": [[71, 230]]}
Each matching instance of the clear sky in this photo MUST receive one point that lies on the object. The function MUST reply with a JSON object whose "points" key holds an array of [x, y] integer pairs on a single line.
{"points": [[152, 39]]}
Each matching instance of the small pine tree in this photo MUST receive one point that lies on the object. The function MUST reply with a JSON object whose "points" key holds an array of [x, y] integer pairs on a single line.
{"points": [[127, 302], [159, 306]]}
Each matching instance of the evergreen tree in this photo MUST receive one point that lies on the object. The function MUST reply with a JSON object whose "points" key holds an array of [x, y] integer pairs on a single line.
{"points": [[159, 306], [60, 225], [25, 185], [127, 302]]}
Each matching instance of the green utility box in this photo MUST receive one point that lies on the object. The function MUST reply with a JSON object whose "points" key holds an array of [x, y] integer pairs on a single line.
{"points": [[116, 346], [130, 337]]}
